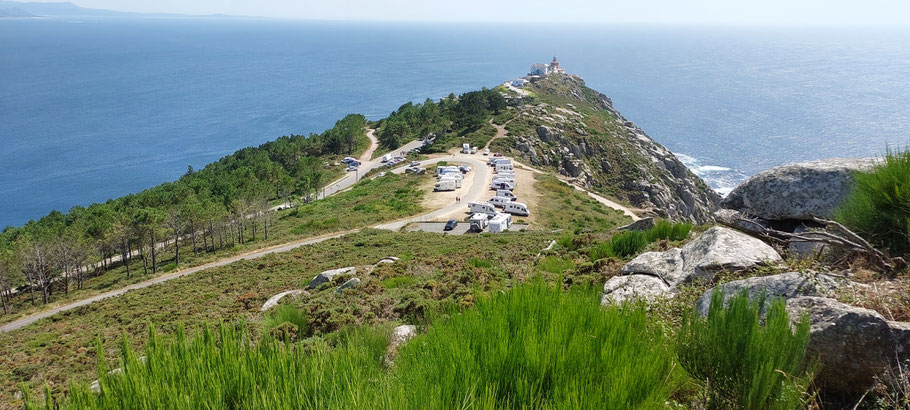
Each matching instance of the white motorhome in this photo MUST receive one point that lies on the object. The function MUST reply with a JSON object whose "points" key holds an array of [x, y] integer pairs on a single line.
{"points": [[497, 185], [499, 160], [386, 157], [499, 201], [485, 208], [446, 169], [516, 208], [451, 178], [445, 185], [500, 223], [500, 167], [506, 179], [506, 194], [479, 222], [451, 175], [465, 148]]}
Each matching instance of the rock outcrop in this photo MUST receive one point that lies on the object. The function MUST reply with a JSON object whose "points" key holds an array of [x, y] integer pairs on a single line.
{"points": [[621, 289], [329, 275], [780, 286], [798, 191], [854, 346], [717, 249], [605, 152], [273, 301]]}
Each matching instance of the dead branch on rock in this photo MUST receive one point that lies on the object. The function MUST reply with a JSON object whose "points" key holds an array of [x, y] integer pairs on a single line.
{"points": [[834, 235]]}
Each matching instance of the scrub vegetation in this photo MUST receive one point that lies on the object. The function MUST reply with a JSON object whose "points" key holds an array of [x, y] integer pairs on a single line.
{"points": [[534, 346], [879, 207]]}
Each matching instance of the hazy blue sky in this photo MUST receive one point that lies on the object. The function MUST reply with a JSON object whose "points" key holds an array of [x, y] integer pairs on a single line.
{"points": [[625, 11]]}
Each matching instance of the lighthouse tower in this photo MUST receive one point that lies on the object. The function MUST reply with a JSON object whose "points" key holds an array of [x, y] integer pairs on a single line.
{"points": [[554, 66]]}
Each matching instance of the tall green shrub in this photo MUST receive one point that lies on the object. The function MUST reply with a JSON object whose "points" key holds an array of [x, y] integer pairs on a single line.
{"points": [[664, 229], [539, 347], [742, 363], [879, 206]]}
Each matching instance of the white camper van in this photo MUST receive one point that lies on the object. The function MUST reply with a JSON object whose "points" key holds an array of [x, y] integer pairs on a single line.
{"points": [[451, 175], [386, 158], [497, 185], [482, 208], [479, 222], [445, 185], [500, 223], [509, 180], [451, 178], [516, 208], [506, 194], [465, 148], [499, 160], [499, 201], [500, 167], [446, 169]]}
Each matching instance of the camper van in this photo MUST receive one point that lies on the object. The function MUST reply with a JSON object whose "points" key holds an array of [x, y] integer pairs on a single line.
{"points": [[451, 175], [386, 157], [479, 222], [503, 167], [465, 148], [497, 185], [498, 160], [446, 169], [451, 178], [500, 223], [499, 201], [446, 185], [516, 208], [482, 208], [506, 194], [505, 179]]}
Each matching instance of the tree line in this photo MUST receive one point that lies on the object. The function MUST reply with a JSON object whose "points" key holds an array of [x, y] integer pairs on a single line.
{"points": [[463, 114], [205, 210]]}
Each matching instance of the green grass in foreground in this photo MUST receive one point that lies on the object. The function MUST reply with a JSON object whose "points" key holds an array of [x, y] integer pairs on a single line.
{"points": [[534, 346], [743, 363]]}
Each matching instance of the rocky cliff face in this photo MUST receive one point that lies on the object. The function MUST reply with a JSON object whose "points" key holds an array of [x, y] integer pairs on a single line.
{"points": [[576, 131]]}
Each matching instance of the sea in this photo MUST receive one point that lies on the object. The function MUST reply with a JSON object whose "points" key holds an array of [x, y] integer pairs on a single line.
{"points": [[95, 108]]}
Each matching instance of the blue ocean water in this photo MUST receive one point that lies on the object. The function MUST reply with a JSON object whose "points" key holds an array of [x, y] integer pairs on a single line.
{"points": [[95, 108]]}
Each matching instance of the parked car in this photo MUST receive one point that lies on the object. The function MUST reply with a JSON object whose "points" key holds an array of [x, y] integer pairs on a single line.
{"points": [[415, 163], [451, 224], [351, 168], [486, 151], [347, 160], [464, 168]]}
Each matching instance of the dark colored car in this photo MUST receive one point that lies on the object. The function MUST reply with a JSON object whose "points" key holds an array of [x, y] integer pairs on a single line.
{"points": [[450, 225]]}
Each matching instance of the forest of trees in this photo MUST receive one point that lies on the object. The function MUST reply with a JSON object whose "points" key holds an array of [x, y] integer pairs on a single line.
{"points": [[451, 114], [226, 202]]}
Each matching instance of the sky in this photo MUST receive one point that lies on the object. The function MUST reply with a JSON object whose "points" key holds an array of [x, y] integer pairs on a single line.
{"points": [[757, 12]]}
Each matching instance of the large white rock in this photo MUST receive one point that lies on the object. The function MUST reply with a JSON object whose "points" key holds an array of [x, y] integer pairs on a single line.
{"points": [[717, 249], [798, 191], [329, 275], [273, 301], [621, 289]]}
